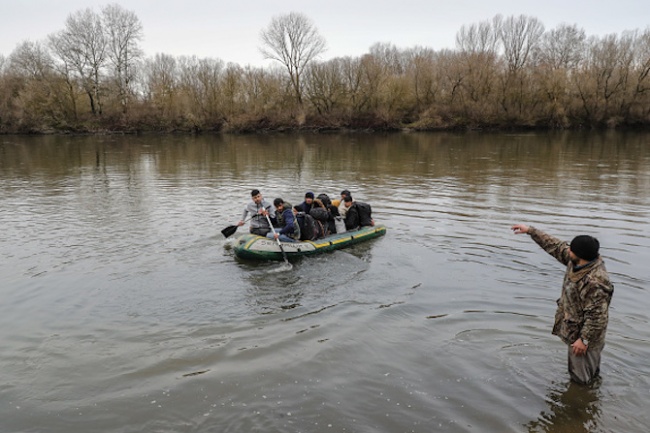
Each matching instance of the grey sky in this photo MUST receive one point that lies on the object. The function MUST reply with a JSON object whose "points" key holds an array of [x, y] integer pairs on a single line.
{"points": [[229, 30]]}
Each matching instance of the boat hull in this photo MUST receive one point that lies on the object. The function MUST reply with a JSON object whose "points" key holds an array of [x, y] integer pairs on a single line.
{"points": [[253, 247]]}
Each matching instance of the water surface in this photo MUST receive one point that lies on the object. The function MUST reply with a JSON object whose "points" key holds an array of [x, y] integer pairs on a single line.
{"points": [[124, 310]]}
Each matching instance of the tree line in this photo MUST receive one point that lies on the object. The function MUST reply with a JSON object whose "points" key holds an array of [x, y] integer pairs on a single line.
{"points": [[505, 72]]}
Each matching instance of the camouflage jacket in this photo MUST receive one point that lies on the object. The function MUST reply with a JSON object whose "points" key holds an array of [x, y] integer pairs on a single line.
{"points": [[583, 307]]}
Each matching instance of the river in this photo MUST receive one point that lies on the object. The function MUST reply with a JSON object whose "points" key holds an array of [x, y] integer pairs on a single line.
{"points": [[123, 308]]}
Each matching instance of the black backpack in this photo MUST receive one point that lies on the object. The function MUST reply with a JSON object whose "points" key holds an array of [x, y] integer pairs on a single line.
{"points": [[308, 228], [365, 214]]}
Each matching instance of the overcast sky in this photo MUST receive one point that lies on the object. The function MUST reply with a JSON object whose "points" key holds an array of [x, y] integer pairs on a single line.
{"points": [[229, 29]]}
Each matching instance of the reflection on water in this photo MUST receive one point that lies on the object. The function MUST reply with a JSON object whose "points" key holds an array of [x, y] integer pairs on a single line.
{"points": [[117, 285], [573, 409]]}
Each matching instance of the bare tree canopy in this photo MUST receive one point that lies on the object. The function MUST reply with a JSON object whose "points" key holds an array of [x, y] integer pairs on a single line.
{"points": [[562, 47], [506, 72], [294, 41], [123, 32], [82, 47], [519, 35]]}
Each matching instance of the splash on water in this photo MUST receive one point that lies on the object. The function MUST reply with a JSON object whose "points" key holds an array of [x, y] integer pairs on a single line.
{"points": [[283, 267]]}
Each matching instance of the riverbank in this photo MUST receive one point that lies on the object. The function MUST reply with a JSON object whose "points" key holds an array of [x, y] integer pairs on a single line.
{"points": [[361, 126]]}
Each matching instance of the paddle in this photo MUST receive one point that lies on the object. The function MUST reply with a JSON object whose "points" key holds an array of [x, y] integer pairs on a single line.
{"points": [[284, 255], [230, 230]]}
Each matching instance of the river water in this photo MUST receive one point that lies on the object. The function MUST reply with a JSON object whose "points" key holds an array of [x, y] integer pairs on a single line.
{"points": [[123, 308]]}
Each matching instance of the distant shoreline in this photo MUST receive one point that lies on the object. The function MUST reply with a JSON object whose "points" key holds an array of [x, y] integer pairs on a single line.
{"points": [[320, 130]]}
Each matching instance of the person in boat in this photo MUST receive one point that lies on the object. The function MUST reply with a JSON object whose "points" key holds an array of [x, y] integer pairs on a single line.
{"points": [[309, 227], [583, 307], [322, 217], [358, 214], [326, 213], [307, 205], [351, 213], [288, 228], [332, 210], [342, 207], [259, 208]]}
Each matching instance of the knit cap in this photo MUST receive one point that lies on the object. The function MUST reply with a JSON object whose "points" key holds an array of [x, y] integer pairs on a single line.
{"points": [[585, 246]]}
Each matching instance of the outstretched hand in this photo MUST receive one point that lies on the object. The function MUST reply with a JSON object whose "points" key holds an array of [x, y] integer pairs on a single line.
{"points": [[519, 228]]}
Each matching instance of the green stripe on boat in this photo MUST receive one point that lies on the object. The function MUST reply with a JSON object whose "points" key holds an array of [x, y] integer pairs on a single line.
{"points": [[255, 247]]}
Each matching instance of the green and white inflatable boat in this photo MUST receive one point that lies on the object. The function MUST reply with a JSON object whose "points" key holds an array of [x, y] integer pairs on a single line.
{"points": [[253, 247]]}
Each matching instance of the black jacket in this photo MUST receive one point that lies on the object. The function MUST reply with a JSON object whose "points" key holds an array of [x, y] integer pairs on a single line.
{"points": [[352, 217]]}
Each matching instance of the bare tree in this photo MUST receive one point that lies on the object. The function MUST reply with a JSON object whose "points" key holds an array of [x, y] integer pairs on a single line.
{"points": [[256, 94], [31, 59], [478, 45], [479, 38], [82, 46], [324, 86], [162, 84], [422, 74], [66, 70], [641, 93], [32, 63], [389, 57], [123, 32], [294, 41], [561, 48], [556, 56], [519, 36], [353, 80]]}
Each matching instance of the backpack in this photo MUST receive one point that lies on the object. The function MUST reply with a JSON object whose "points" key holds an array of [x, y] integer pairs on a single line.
{"points": [[308, 228], [365, 214]]}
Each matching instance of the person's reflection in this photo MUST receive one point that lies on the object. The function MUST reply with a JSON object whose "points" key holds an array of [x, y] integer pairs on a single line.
{"points": [[574, 410]]}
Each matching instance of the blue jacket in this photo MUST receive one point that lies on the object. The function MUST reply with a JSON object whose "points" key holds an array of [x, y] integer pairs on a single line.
{"points": [[290, 227]]}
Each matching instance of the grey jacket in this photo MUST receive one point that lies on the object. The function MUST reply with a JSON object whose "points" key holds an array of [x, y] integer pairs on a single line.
{"points": [[259, 221]]}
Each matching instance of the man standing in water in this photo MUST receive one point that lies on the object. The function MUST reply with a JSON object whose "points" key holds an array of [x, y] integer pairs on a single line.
{"points": [[259, 209], [583, 308]]}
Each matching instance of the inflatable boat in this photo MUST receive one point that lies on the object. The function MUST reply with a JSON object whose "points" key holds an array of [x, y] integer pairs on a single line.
{"points": [[253, 247]]}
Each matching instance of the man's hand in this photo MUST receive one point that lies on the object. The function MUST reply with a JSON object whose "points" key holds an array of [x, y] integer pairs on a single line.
{"points": [[519, 228], [578, 347], [276, 236], [240, 223]]}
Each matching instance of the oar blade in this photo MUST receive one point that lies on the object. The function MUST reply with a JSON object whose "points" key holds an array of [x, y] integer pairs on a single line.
{"points": [[229, 231]]}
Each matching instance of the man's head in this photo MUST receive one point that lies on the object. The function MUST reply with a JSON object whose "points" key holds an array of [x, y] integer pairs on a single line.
{"points": [[309, 197], [257, 196], [279, 204], [347, 200], [345, 193], [584, 247]]}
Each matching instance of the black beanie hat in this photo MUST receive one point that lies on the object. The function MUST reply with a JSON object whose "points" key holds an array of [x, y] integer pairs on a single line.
{"points": [[585, 246], [309, 195]]}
